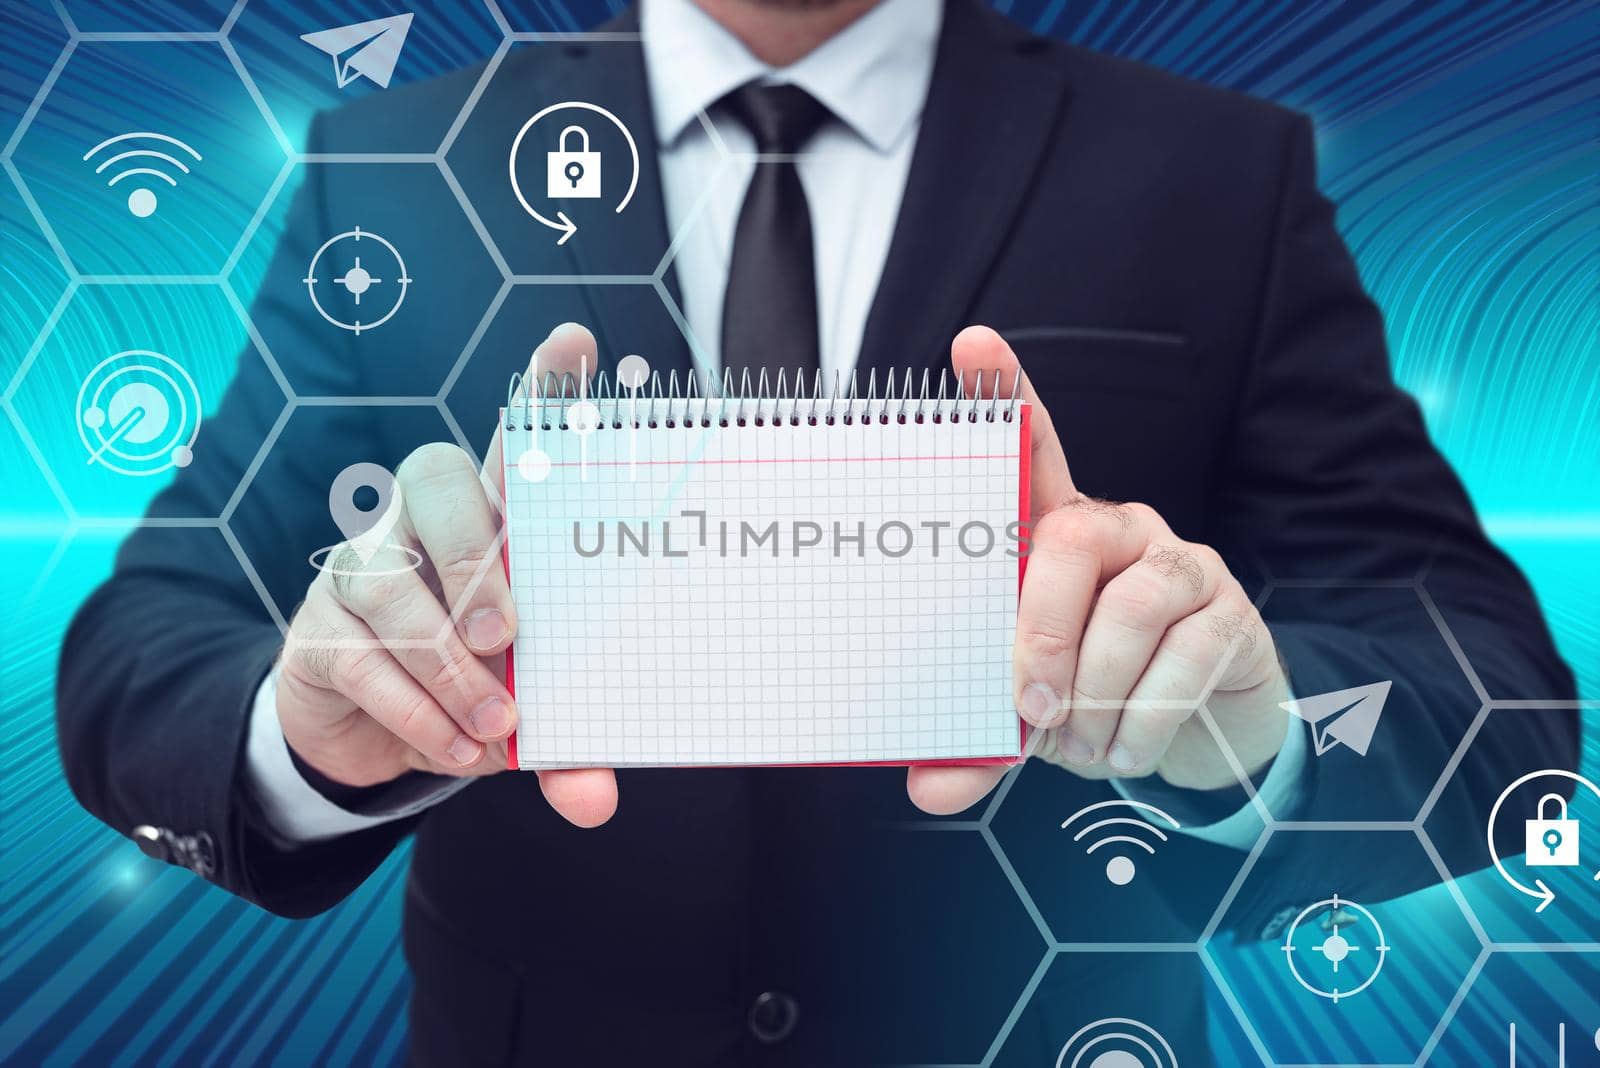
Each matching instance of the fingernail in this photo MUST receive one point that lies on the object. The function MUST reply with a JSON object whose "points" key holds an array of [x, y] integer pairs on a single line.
{"points": [[486, 628], [491, 719], [1040, 705], [464, 751], [1122, 758], [1074, 749]]}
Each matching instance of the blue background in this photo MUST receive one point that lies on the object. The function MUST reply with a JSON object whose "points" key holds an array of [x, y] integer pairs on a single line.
{"points": [[1458, 139]]}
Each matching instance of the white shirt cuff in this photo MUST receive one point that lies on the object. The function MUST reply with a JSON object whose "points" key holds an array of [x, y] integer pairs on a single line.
{"points": [[292, 807], [1281, 791]]}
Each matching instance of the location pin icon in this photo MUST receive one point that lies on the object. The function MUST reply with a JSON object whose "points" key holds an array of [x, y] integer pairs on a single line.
{"points": [[364, 529]]}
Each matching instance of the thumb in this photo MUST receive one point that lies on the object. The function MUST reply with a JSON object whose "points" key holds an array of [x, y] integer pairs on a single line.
{"points": [[569, 350], [979, 349], [586, 797]]}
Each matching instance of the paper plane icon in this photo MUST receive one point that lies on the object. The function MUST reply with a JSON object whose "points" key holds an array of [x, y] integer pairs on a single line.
{"points": [[363, 49], [1343, 717]]}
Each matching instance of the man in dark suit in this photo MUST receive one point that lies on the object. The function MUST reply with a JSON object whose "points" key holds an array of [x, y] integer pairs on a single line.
{"points": [[1154, 255]]}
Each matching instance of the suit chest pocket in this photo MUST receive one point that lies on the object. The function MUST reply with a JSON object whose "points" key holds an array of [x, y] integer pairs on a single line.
{"points": [[1135, 416], [1075, 359]]}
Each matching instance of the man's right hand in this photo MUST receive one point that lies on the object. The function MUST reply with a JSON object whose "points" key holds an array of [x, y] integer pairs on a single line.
{"points": [[389, 669]]}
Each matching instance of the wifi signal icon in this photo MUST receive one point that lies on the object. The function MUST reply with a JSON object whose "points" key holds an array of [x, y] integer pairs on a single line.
{"points": [[1135, 831], [141, 163]]}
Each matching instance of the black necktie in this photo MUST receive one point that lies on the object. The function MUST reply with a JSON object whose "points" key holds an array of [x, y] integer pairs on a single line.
{"points": [[769, 310]]}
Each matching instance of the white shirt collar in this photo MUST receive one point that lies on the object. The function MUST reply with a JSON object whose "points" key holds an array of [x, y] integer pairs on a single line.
{"points": [[873, 75]]}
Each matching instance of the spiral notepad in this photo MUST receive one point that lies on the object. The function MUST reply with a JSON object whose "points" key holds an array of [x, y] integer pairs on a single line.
{"points": [[817, 578]]}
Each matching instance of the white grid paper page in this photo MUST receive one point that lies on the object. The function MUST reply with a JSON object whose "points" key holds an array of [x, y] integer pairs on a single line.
{"points": [[729, 639]]}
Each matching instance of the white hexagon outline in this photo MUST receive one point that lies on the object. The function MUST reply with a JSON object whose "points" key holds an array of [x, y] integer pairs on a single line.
{"points": [[71, 25], [76, 37], [656, 281], [76, 519], [294, 403], [491, 68], [1489, 708], [1445, 635], [385, 159], [10, 167], [1354, 827], [76, 279], [1054, 947], [1052, 952], [1503, 950], [1272, 825], [297, 156], [223, 280]]}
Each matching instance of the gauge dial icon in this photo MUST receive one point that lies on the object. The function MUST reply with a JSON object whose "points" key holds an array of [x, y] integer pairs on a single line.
{"points": [[138, 413]]}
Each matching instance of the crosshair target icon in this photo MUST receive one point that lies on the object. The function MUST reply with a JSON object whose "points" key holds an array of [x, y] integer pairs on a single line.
{"points": [[1336, 948], [357, 278]]}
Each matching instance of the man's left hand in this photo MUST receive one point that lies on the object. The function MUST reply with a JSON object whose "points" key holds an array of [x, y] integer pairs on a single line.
{"points": [[1122, 628]]}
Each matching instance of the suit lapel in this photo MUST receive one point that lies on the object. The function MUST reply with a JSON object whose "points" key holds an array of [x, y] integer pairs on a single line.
{"points": [[992, 108], [993, 105]]}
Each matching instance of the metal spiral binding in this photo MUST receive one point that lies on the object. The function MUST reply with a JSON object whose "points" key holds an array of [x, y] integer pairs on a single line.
{"points": [[703, 401]]}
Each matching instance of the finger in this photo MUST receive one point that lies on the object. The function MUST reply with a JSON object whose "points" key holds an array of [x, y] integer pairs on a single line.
{"points": [[1074, 549], [1144, 733], [1049, 752], [493, 762], [444, 510], [1170, 582], [585, 797], [570, 349], [1184, 664], [978, 348], [370, 677], [322, 725], [946, 791], [399, 609]]}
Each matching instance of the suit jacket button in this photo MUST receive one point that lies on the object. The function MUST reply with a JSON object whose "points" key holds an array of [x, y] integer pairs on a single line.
{"points": [[773, 1017], [202, 859], [151, 841]]}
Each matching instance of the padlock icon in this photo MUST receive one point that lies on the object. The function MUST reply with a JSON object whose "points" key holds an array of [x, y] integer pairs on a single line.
{"points": [[1552, 843], [573, 175]]}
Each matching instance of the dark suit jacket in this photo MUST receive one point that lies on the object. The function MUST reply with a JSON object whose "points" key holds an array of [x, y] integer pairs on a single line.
{"points": [[1159, 254]]}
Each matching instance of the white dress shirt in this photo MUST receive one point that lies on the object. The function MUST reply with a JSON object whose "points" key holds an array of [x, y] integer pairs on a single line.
{"points": [[873, 76]]}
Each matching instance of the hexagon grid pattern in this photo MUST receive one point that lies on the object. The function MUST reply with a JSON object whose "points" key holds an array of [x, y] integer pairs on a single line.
{"points": [[1486, 110]]}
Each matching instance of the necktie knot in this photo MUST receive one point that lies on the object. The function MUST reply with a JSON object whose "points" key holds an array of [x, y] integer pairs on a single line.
{"points": [[781, 118]]}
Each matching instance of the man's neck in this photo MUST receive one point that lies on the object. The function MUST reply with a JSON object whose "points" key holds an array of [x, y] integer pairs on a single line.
{"points": [[781, 32]]}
